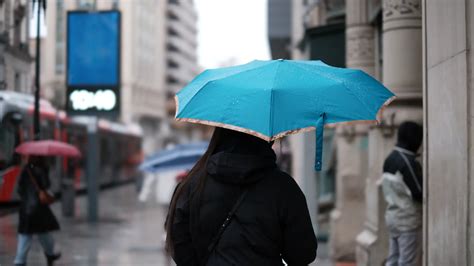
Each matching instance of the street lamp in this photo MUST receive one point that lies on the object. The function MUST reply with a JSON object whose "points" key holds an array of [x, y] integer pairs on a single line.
{"points": [[36, 116]]}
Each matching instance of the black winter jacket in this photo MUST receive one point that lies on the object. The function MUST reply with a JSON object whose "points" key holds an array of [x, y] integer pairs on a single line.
{"points": [[34, 217], [414, 181], [271, 224]]}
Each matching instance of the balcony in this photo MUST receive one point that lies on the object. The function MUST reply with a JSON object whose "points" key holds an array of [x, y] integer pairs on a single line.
{"points": [[183, 46], [171, 107], [174, 88], [182, 76], [180, 29], [184, 14], [179, 58]]}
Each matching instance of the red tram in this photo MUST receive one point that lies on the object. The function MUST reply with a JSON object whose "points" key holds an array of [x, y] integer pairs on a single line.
{"points": [[119, 145]]}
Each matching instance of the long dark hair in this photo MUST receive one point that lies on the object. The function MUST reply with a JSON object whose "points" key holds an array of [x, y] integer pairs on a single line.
{"points": [[199, 171]]}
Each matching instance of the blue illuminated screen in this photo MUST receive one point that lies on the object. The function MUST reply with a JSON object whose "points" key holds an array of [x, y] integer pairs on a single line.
{"points": [[93, 48]]}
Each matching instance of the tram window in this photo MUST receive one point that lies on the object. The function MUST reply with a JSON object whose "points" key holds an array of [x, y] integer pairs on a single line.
{"points": [[8, 142], [47, 129]]}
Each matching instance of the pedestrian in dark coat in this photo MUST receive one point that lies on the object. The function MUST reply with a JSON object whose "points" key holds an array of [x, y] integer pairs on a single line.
{"points": [[271, 224], [35, 218]]}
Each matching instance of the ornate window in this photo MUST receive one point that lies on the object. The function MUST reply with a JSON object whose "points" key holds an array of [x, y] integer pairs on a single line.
{"points": [[18, 15]]}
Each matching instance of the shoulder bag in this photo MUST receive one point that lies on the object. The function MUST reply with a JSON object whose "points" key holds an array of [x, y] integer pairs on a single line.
{"points": [[44, 197]]}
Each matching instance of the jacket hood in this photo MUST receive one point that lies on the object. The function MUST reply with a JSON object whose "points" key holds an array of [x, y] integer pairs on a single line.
{"points": [[410, 136], [240, 158]]}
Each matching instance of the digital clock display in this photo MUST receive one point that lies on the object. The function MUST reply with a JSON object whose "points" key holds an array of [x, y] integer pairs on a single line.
{"points": [[100, 100]]}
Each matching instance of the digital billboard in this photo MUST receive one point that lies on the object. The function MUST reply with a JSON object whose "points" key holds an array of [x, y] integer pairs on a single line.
{"points": [[93, 62]]}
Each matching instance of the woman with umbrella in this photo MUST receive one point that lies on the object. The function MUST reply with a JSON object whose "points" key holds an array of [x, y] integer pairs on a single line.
{"points": [[236, 207], [270, 219], [35, 216], [270, 222]]}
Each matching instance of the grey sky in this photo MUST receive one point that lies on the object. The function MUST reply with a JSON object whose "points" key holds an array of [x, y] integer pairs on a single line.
{"points": [[231, 31]]}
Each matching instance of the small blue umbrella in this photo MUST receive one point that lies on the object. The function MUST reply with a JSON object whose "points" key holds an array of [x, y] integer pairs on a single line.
{"points": [[272, 99], [180, 157]]}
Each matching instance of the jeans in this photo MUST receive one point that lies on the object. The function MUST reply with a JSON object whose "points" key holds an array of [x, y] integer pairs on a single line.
{"points": [[405, 248], [24, 243]]}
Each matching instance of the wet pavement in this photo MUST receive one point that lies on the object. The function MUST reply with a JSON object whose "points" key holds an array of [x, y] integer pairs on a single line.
{"points": [[129, 232]]}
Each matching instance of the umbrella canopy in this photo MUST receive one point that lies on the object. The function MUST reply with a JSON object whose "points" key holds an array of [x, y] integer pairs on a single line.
{"points": [[180, 157], [48, 148], [272, 99]]}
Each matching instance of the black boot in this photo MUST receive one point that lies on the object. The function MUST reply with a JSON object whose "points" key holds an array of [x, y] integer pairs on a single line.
{"points": [[52, 258]]}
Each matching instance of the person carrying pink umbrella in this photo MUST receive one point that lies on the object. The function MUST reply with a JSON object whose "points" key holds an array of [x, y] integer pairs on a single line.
{"points": [[35, 216]]}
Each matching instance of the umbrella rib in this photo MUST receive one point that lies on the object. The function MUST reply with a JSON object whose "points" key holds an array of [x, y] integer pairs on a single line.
{"points": [[271, 120], [212, 80], [339, 81]]}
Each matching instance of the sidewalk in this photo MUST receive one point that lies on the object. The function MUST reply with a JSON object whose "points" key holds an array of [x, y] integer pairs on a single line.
{"points": [[128, 233]]}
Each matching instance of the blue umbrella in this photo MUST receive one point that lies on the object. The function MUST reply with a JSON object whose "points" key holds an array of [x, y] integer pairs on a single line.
{"points": [[180, 157], [272, 99]]}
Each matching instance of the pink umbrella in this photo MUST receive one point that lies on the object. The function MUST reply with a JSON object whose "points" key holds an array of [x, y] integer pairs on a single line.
{"points": [[48, 148]]}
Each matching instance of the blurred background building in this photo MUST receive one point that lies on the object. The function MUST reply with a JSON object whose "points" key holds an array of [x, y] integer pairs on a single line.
{"points": [[15, 59], [383, 38], [158, 56], [421, 50], [279, 28], [181, 59]]}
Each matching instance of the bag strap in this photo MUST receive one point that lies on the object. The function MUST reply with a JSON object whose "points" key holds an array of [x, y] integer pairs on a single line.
{"points": [[35, 184], [224, 225], [410, 168]]}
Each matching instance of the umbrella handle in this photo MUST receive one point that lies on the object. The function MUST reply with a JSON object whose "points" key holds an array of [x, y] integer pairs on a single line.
{"points": [[319, 142]]}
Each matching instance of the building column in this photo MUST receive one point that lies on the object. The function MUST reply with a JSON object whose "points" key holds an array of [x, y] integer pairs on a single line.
{"points": [[449, 133], [352, 150], [402, 74]]}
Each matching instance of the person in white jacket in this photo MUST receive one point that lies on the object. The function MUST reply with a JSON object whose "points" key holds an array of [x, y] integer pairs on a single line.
{"points": [[403, 192]]}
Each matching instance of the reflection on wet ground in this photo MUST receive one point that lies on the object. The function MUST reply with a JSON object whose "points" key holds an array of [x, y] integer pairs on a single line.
{"points": [[128, 233]]}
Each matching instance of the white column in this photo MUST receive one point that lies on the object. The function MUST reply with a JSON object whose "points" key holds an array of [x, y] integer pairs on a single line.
{"points": [[449, 133], [348, 217]]}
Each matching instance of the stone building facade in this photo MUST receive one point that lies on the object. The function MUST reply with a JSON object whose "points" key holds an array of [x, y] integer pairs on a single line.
{"points": [[422, 51], [15, 59], [384, 39], [448, 147]]}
